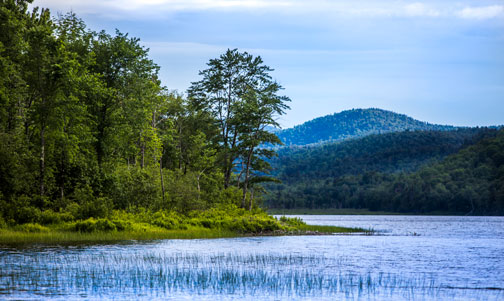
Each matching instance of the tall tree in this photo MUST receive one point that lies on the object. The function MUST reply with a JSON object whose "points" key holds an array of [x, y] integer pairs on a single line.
{"points": [[255, 114], [224, 90]]}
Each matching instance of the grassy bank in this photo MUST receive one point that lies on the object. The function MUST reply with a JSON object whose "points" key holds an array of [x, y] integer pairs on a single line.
{"points": [[145, 225], [53, 236]]}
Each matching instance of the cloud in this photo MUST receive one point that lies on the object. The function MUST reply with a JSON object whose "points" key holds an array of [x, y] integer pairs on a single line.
{"points": [[165, 5], [420, 10], [140, 9], [481, 13]]}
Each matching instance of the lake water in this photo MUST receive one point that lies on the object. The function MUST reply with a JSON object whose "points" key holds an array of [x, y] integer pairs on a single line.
{"points": [[410, 257]]}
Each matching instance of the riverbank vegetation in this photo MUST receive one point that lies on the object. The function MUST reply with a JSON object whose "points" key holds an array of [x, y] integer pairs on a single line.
{"points": [[52, 227]]}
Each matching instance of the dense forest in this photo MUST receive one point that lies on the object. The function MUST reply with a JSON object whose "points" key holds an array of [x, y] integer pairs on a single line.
{"points": [[400, 172], [391, 152], [352, 124], [86, 126]]}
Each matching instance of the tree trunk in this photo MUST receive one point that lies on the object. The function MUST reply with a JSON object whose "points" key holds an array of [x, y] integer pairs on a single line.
{"points": [[161, 175], [199, 188], [42, 161], [229, 162], [247, 175], [62, 176], [142, 162], [251, 199]]}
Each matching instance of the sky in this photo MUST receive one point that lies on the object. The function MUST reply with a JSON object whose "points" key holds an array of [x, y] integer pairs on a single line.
{"points": [[438, 61]]}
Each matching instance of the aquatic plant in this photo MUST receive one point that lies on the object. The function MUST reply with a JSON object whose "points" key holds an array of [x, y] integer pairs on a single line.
{"points": [[162, 274]]}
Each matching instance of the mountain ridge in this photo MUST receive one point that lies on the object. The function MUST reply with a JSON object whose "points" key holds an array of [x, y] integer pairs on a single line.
{"points": [[352, 124]]}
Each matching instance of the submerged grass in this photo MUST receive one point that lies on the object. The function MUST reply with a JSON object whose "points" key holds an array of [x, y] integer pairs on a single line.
{"points": [[334, 229], [160, 273]]}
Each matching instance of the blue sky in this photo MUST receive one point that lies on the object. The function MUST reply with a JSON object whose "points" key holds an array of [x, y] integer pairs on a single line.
{"points": [[438, 61]]}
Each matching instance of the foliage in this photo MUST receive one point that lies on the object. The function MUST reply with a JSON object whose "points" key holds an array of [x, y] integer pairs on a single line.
{"points": [[91, 225], [241, 96], [32, 228], [292, 221]]}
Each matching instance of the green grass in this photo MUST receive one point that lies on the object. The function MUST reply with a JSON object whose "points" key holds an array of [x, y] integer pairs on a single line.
{"points": [[10, 236]]}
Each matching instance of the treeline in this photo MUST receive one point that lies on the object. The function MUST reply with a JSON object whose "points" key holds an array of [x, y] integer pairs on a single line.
{"points": [[353, 124], [468, 181], [86, 126]]}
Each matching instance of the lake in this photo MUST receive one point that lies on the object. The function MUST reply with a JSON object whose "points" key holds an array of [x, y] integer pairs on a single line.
{"points": [[409, 257]]}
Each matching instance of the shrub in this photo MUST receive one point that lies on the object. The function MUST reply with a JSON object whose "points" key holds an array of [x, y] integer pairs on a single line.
{"points": [[51, 217], [32, 228], [27, 215], [97, 208], [93, 225], [122, 225], [292, 221]]}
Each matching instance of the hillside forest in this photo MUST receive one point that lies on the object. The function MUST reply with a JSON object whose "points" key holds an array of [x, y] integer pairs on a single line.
{"points": [[460, 171]]}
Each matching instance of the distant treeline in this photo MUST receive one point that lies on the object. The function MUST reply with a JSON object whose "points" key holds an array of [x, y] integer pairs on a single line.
{"points": [[451, 171]]}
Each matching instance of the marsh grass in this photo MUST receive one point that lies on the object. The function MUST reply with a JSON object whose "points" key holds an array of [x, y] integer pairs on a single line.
{"points": [[334, 229], [101, 273], [11, 237]]}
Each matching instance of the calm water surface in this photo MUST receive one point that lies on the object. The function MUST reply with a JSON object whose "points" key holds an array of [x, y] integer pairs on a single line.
{"points": [[411, 257]]}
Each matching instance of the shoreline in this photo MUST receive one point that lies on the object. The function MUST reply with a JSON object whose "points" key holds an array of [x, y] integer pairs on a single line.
{"points": [[334, 211]]}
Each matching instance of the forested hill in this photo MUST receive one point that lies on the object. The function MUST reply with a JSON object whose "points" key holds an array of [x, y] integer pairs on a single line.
{"points": [[391, 152], [383, 176], [353, 123]]}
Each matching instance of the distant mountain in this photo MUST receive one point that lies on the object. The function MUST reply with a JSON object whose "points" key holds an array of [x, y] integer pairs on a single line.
{"points": [[421, 171], [351, 124]]}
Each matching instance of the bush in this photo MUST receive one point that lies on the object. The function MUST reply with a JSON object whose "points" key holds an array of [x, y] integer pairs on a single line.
{"points": [[122, 225], [93, 225], [167, 220], [97, 208], [32, 228], [27, 215], [292, 221], [50, 217]]}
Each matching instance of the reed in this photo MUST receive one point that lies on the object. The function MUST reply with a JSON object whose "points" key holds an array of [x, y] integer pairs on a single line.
{"points": [[160, 274]]}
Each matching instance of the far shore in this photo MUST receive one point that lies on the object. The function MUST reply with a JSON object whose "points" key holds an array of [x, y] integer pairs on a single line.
{"points": [[335, 211]]}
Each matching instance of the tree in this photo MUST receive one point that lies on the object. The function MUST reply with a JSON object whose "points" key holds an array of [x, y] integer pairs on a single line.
{"points": [[255, 114], [238, 91]]}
